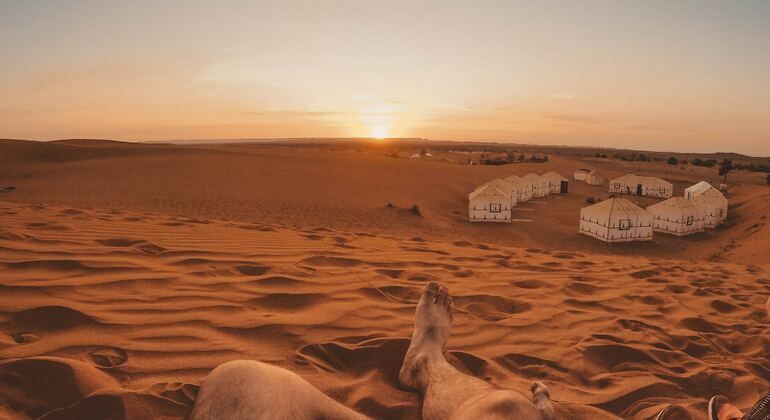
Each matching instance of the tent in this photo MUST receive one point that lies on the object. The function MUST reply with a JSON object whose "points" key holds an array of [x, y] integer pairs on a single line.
{"points": [[713, 202], [580, 174], [556, 183], [677, 216], [489, 203], [540, 187], [505, 186], [641, 185], [616, 220], [595, 178], [523, 188]]}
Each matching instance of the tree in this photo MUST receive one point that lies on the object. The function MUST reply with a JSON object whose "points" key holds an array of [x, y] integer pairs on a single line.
{"points": [[725, 167], [768, 180], [672, 161]]}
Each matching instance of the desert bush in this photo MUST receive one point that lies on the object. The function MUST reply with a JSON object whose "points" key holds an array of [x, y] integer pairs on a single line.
{"points": [[415, 210], [672, 161]]}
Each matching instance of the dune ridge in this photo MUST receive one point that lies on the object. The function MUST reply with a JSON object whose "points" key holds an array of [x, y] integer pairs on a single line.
{"points": [[128, 311]]}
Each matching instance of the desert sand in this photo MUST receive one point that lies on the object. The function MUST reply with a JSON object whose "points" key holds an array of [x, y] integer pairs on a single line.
{"points": [[130, 271]]}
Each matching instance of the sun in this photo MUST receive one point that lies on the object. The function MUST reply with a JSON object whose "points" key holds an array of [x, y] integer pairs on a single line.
{"points": [[378, 131]]}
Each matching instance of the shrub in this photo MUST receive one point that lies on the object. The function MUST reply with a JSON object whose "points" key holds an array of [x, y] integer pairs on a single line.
{"points": [[768, 180], [389, 205], [415, 210], [672, 161]]}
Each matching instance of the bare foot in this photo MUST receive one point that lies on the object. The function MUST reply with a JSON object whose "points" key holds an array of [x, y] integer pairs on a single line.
{"points": [[432, 322], [720, 408]]}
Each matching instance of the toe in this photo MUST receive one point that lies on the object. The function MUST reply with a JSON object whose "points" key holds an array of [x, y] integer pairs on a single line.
{"points": [[443, 296], [431, 291]]}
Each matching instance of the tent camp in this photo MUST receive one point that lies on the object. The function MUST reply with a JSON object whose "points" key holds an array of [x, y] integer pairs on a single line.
{"points": [[713, 202], [677, 216], [523, 188], [595, 178], [556, 183], [616, 220], [580, 174], [641, 185], [489, 203], [540, 187]]}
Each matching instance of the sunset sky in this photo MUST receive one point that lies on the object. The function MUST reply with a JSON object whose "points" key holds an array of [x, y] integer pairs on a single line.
{"points": [[653, 75]]}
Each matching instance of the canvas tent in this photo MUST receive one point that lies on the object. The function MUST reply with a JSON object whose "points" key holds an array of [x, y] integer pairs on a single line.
{"points": [[556, 183], [523, 188], [677, 216], [595, 178], [713, 202], [505, 186], [616, 220], [580, 174], [539, 184], [641, 185], [489, 203]]}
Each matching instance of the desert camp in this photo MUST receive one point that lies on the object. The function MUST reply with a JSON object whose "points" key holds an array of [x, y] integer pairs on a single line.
{"points": [[384, 210]]}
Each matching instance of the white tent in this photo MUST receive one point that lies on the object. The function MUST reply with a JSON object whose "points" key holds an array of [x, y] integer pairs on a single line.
{"points": [[580, 174], [595, 178], [510, 188], [713, 202], [677, 216], [539, 184], [523, 188], [556, 183], [641, 185], [616, 220], [489, 203]]}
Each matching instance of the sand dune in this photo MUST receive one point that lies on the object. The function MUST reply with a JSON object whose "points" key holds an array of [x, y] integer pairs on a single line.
{"points": [[112, 311], [348, 187]]}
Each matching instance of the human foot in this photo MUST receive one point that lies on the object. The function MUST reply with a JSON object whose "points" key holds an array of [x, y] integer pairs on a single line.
{"points": [[432, 322], [720, 408]]}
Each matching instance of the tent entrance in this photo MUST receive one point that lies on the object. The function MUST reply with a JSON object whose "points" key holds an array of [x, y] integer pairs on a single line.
{"points": [[638, 189], [564, 187]]}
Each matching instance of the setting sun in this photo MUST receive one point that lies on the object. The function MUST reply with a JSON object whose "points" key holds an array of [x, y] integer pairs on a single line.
{"points": [[378, 131]]}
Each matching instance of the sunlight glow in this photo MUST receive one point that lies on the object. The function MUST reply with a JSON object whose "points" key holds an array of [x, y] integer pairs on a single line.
{"points": [[378, 131]]}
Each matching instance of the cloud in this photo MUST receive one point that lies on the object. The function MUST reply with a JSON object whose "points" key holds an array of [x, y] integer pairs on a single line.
{"points": [[573, 119], [292, 112]]}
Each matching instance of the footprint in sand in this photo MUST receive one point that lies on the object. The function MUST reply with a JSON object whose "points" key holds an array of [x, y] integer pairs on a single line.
{"points": [[108, 357]]}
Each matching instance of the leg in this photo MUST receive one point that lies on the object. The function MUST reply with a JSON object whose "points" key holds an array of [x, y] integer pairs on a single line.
{"points": [[245, 389], [448, 393]]}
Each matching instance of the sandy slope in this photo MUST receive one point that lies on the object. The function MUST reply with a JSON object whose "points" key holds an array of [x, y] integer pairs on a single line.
{"points": [[116, 311], [348, 189]]}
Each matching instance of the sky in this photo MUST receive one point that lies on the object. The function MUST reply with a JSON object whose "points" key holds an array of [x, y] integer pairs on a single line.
{"points": [[651, 75]]}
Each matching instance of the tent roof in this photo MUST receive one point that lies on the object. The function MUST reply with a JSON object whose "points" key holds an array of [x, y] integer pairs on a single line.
{"points": [[493, 188], [634, 178], [554, 175], [532, 177], [674, 203], [700, 188], [606, 208]]}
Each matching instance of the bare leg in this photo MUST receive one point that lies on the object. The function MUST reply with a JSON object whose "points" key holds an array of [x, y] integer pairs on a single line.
{"points": [[245, 389], [448, 393]]}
